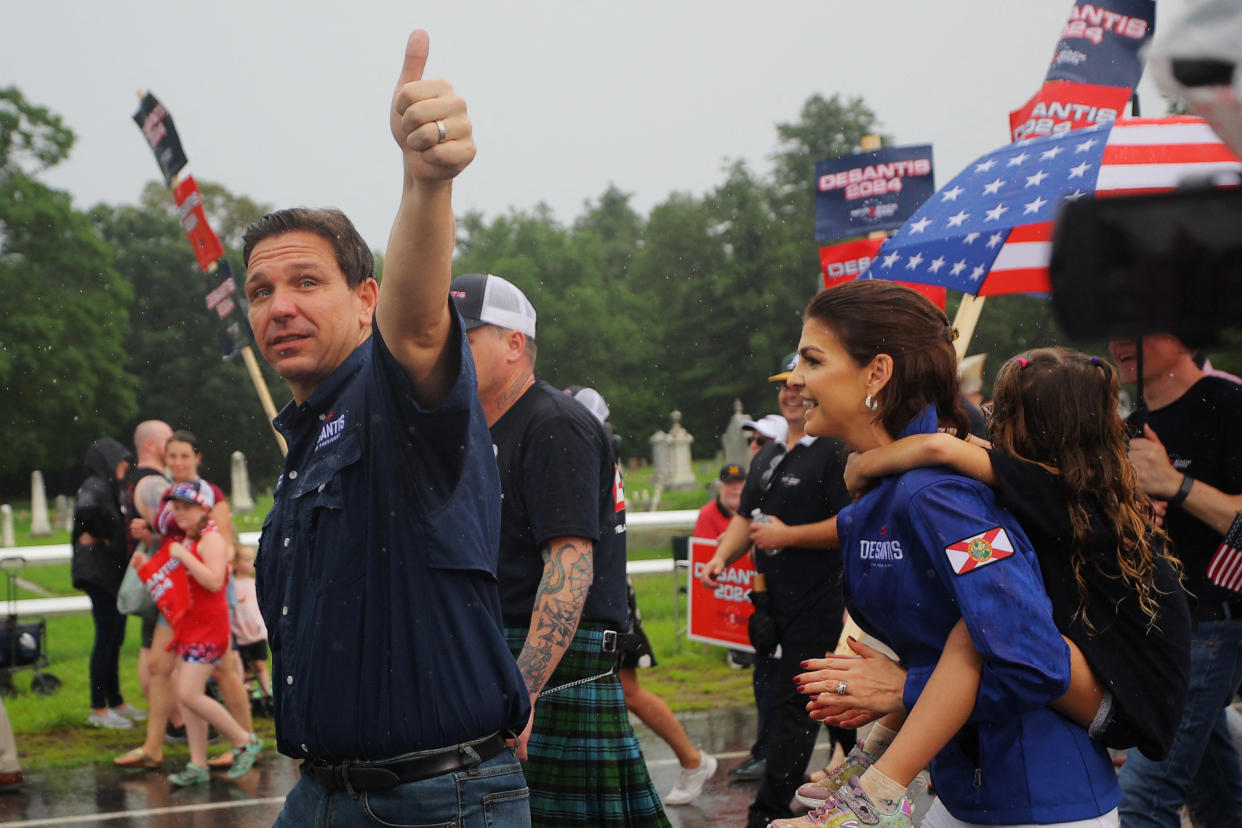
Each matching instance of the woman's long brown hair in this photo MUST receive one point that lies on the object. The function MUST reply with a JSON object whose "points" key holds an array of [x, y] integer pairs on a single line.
{"points": [[1058, 408]]}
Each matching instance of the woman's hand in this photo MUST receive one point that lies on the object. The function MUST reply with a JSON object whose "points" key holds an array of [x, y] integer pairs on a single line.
{"points": [[138, 560], [873, 683], [139, 530]]}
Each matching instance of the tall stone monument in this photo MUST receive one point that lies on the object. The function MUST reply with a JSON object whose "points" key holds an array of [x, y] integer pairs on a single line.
{"points": [[241, 500], [681, 469], [734, 439], [40, 522]]}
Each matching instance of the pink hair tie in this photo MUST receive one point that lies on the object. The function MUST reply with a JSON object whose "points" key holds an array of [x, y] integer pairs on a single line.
{"points": [[1021, 362]]}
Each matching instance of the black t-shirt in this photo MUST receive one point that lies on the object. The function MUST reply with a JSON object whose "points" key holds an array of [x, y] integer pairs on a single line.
{"points": [[1146, 670], [558, 478], [802, 485], [1202, 431]]}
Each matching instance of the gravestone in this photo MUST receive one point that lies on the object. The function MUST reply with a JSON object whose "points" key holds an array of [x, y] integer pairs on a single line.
{"points": [[242, 501], [734, 439], [40, 524], [64, 513], [681, 469], [659, 458], [7, 538]]}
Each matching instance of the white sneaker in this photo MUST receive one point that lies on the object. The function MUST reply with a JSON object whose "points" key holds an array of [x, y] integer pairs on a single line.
{"points": [[130, 712], [690, 781], [111, 719]]}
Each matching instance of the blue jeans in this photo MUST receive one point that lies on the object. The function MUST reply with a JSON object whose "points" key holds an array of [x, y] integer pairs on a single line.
{"points": [[1202, 769], [491, 795]]}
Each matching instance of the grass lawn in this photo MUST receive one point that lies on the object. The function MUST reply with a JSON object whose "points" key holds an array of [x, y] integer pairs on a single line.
{"points": [[51, 730]]}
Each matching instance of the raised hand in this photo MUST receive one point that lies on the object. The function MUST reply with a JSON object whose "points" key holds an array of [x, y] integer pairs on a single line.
{"points": [[429, 120]]}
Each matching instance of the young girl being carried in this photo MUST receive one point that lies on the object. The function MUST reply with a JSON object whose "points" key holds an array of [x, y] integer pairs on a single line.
{"points": [[201, 636], [1059, 464]]}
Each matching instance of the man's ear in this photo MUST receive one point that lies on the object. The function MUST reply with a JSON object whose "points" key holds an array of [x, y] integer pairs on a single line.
{"points": [[515, 345], [878, 373], [368, 296]]}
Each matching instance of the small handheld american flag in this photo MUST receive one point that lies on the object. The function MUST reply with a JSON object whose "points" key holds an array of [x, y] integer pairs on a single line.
{"points": [[1225, 568]]}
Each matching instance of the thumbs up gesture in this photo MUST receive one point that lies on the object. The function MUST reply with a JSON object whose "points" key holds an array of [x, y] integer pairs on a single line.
{"points": [[429, 120]]}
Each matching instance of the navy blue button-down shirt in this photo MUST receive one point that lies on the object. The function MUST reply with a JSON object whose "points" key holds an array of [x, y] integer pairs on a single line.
{"points": [[377, 569]]}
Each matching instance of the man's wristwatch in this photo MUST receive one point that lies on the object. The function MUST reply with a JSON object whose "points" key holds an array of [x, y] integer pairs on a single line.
{"points": [[1179, 498]]}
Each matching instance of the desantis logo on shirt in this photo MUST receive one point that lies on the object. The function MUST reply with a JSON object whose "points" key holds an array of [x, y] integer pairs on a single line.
{"points": [[331, 431], [979, 550]]}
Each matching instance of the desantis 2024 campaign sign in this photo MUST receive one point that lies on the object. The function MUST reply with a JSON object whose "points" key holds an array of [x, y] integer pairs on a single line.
{"points": [[720, 615], [859, 194]]}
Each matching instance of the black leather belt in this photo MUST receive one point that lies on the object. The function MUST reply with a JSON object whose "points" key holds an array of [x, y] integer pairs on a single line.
{"points": [[383, 776], [1217, 610]]}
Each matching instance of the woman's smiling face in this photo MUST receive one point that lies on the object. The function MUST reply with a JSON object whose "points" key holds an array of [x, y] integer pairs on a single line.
{"points": [[832, 383]]}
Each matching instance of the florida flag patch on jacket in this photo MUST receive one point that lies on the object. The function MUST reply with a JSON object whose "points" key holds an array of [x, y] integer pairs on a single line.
{"points": [[979, 550]]}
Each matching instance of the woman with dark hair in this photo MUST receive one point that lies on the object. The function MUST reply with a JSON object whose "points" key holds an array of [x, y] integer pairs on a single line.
{"points": [[925, 549]]}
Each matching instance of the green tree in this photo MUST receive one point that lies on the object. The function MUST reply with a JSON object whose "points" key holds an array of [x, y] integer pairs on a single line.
{"points": [[63, 318], [173, 346]]}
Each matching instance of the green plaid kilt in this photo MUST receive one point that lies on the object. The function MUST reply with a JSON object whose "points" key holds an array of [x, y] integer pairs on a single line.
{"points": [[586, 767]]}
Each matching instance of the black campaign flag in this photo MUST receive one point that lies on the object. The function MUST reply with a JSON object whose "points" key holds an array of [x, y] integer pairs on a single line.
{"points": [[157, 125], [233, 323]]}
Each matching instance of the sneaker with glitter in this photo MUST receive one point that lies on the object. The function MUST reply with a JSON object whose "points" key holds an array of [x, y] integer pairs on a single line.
{"points": [[813, 794], [850, 807]]}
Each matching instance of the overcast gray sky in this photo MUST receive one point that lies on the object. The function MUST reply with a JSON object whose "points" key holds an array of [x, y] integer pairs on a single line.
{"points": [[287, 102]]}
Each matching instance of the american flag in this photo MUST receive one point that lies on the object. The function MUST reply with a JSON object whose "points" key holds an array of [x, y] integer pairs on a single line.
{"points": [[1225, 568], [989, 231]]}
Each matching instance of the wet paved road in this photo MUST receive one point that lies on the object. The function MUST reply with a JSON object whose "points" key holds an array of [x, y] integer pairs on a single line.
{"points": [[114, 798]]}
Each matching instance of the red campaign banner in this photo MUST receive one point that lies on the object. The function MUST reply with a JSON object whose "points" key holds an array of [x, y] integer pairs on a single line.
{"points": [[168, 584], [846, 262], [719, 616], [1061, 106], [203, 239]]}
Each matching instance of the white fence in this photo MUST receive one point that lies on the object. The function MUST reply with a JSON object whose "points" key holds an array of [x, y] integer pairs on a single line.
{"points": [[74, 604]]}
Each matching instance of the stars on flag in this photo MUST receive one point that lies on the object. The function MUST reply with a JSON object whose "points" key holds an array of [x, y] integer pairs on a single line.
{"points": [[1033, 206], [954, 238], [1036, 179]]}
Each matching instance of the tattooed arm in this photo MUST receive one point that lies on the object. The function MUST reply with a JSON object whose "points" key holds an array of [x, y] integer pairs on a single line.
{"points": [[568, 571]]}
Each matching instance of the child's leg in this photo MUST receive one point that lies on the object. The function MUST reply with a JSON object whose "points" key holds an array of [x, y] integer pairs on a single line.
{"points": [[190, 681], [940, 712], [191, 689], [1082, 700]]}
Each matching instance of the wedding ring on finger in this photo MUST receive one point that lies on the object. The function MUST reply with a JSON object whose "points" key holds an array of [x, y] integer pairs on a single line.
{"points": [[443, 132], [842, 688]]}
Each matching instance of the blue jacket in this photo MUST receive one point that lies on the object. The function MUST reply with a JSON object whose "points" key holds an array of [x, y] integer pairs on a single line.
{"points": [[928, 547]]}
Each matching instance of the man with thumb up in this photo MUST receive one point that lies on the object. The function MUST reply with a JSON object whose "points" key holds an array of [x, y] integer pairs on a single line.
{"points": [[377, 564]]}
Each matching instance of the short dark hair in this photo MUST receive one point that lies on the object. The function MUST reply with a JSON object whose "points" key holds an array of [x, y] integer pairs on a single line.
{"points": [[352, 254], [873, 317]]}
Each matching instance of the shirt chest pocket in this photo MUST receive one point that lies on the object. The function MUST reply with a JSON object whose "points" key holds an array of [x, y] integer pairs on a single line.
{"points": [[329, 541]]}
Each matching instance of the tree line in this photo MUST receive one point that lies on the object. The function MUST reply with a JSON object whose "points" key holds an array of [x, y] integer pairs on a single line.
{"points": [[688, 307]]}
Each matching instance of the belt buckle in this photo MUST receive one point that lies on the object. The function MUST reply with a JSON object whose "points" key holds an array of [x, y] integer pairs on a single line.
{"points": [[610, 641]]}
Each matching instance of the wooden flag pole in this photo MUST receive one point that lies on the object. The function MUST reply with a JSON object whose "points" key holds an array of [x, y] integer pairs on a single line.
{"points": [[964, 321], [265, 396]]}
